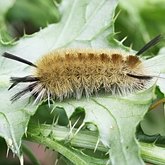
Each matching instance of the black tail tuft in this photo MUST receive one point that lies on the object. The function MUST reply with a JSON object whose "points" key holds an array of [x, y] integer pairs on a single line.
{"points": [[16, 58], [150, 44], [17, 80]]}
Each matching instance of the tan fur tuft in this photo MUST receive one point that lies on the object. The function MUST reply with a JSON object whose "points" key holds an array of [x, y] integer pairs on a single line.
{"points": [[74, 72]]}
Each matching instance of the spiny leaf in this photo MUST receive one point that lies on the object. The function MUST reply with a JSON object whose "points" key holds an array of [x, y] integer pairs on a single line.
{"points": [[13, 120], [84, 24], [116, 119], [76, 17]]}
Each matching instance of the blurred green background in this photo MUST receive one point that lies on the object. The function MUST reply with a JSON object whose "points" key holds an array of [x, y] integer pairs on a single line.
{"points": [[19, 17]]}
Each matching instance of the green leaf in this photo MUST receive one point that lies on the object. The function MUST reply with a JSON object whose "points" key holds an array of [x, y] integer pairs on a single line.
{"points": [[116, 119], [49, 134], [154, 120], [84, 23], [76, 22], [75, 155], [13, 120], [156, 66]]}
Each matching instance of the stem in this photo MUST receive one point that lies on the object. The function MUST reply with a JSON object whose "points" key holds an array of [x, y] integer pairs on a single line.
{"points": [[66, 151], [48, 135], [157, 103], [30, 155], [153, 154]]}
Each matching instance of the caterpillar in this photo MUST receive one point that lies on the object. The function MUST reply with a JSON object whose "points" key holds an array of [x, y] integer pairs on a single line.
{"points": [[65, 73]]}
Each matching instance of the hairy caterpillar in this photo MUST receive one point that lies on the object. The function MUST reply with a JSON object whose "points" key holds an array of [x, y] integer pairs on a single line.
{"points": [[66, 73]]}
